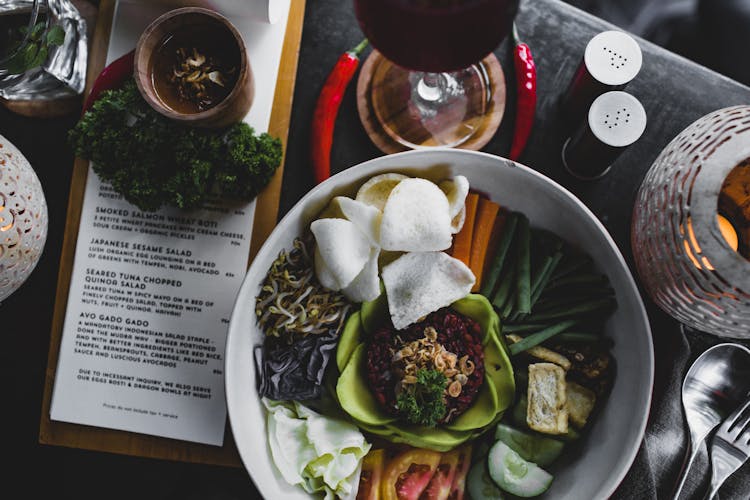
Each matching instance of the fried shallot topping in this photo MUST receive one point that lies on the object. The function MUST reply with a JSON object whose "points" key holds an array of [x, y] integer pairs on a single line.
{"points": [[194, 73], [428, 353]]}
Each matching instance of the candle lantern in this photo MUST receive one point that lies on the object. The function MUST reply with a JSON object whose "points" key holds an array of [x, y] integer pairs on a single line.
{"points": [[691, 225], [23, 219]]}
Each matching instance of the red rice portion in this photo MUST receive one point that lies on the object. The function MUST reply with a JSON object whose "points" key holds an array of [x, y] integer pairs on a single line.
{"points": [[459, 334]]}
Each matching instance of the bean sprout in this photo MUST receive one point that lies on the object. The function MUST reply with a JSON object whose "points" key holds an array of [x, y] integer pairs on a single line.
{"points": [[291, 301]]}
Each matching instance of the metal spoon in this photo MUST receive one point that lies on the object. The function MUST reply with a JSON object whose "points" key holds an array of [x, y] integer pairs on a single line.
{"points": [[717, 382]]}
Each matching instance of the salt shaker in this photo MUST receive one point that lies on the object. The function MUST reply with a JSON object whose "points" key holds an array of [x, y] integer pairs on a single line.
{"points": [[612, 59], [615, 121]]}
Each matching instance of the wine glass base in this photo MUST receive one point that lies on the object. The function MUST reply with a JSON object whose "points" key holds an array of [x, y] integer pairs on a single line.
{"points": [[401, 109], [420, 110]]}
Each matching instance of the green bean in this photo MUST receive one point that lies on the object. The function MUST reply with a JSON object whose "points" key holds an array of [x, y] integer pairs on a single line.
{"points": [[490, 281], [516, 317], [538, 284], [571, 299], [535, 339], [539, 271], [524, 327], [541, 283], [507, 309], [523, 277], [503, 291], [579, 311], [572, 263]]}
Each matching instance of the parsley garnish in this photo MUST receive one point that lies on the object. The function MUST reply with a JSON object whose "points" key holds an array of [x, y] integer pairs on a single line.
{"points": [[423, 403], [154, 161]]}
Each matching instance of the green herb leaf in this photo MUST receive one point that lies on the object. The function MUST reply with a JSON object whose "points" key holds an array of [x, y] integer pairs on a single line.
{"points": [[40, 58], [29, 55], [56, 35], [153, 161], [38, 30], [423, 403]]}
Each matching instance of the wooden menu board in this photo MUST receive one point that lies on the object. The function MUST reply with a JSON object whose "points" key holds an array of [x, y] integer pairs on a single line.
{"points": [[114, 441]]}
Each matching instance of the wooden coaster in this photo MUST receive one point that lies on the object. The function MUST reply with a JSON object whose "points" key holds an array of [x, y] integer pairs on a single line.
{"points": [[487, 129]]}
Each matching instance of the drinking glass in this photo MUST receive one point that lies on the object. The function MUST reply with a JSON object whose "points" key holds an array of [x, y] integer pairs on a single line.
{"points": [[46, 73], [432, 89], [14, 16]]}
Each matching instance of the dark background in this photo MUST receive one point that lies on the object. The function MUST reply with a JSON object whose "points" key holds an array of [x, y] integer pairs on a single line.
{"points": [[37, 470]]}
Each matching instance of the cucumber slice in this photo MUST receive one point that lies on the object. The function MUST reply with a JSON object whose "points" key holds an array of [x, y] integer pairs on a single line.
{"points": [[514, 474], [480, 484], [532, 447]]}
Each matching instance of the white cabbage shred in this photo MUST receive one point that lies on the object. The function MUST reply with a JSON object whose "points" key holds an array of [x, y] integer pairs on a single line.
{"points": [[319, 453]]}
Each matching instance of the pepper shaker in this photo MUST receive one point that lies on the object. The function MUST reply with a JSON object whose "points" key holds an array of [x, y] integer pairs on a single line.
{"points": [[612, 60], [615, 121]]}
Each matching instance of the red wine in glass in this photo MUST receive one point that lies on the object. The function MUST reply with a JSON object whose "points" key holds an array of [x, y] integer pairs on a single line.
{"points": [[433, 80], [435, 35]]}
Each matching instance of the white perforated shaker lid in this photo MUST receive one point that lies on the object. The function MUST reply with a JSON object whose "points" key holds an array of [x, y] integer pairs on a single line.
{"points": [[613, 58], [617, 119]]}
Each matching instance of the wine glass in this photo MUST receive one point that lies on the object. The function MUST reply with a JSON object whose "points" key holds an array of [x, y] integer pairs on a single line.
{"points": [[431, 88]]}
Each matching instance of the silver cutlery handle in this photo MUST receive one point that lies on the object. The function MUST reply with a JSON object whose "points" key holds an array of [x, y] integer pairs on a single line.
{"points": [[723, 464], [684, 472]]}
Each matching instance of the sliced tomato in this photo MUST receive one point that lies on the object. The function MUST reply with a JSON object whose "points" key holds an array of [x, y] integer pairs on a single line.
{"points": [[408, 474], [372, 473], [442, 481], [459, 480]]}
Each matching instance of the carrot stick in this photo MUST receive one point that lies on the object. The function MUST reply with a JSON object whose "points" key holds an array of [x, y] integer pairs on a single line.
{"points": [[462, 241], [483, 226]]}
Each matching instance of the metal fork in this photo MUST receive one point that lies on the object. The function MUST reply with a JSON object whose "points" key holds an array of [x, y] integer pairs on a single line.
{"points": [[730, 447]]}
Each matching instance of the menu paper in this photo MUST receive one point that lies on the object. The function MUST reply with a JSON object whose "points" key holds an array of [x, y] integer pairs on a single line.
{"points": [[151, 293]]}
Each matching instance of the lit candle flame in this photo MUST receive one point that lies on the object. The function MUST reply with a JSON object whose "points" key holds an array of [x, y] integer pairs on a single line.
{"points": [[727, 231], [6, 219]]}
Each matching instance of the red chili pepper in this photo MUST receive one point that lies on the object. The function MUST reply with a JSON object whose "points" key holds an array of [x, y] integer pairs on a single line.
{"points": [[327, 108], [111, 77], [526, 98]]}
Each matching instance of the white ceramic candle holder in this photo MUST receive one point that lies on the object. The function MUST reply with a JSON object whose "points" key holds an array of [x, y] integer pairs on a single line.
{"points": [[23, 219], [684, 260]]}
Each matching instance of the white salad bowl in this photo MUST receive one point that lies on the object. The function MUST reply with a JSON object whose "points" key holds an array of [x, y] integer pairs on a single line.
{"points": [[591, 470]]}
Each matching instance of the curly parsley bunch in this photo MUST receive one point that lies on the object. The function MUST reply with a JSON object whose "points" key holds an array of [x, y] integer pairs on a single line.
{"points": [[423, 403], [153, 161]]}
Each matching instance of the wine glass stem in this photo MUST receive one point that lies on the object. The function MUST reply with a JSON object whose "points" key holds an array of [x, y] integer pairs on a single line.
{"points": [[433, 87], [438, 102], [429, 109]]}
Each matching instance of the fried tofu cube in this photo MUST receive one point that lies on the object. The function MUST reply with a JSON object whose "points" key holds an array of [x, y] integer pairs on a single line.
{"points": [[580, 403], [547, 411]]}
